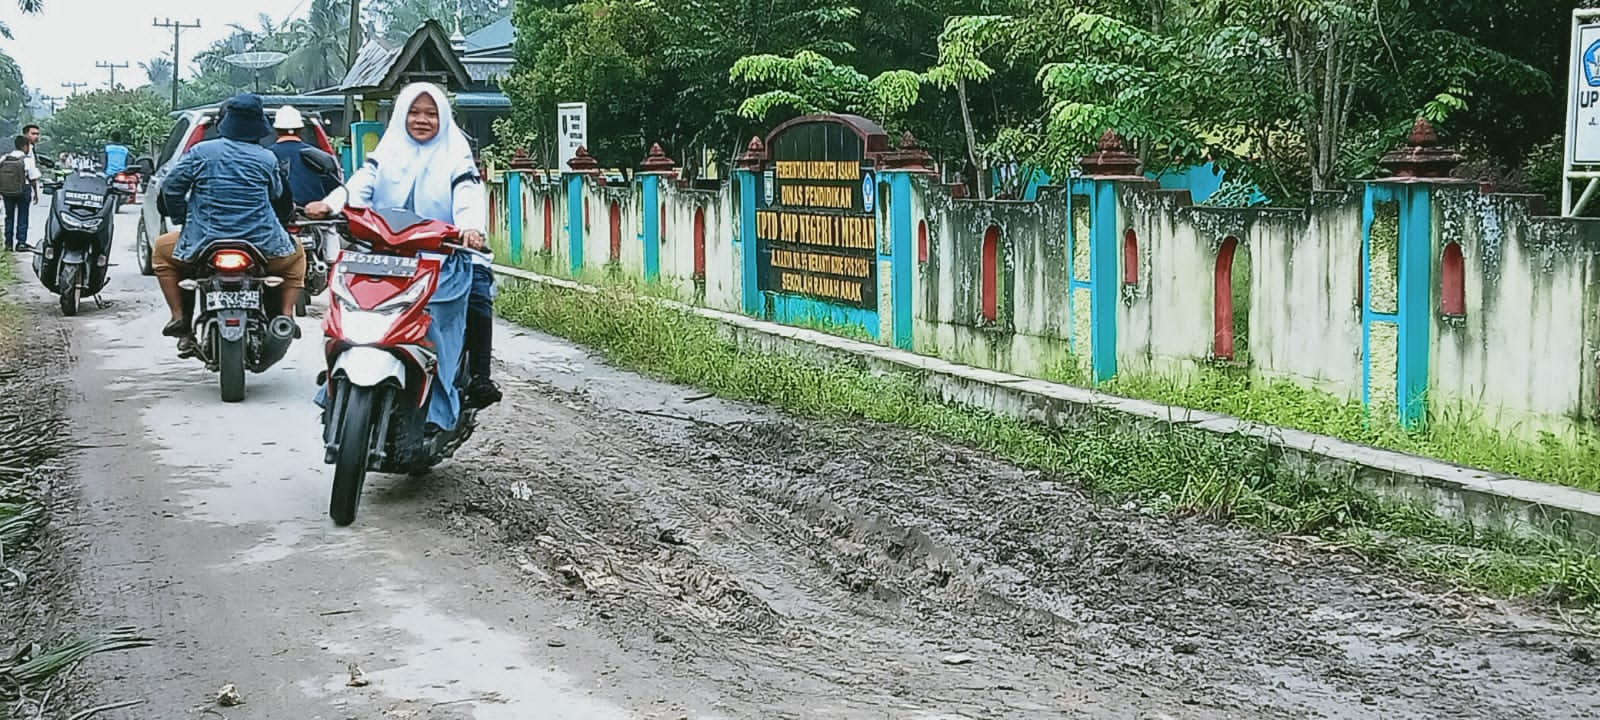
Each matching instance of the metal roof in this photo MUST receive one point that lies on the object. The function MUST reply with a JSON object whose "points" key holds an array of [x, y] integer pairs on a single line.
{"points": [[383, 68], [501, 33], [484, 71], [372, 64]]}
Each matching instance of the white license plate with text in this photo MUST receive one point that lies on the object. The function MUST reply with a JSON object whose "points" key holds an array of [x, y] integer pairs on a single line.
{"points": [[233, 300]]}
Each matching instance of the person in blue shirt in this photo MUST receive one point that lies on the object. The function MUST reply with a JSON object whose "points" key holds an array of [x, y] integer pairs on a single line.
{"points": [[305, 183], [116, 155], [227, 188]]}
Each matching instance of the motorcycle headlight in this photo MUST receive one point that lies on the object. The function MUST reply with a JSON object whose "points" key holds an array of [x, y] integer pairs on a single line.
{"points": [[393, 305]]}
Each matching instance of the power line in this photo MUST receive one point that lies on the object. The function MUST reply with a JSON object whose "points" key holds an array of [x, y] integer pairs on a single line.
{"points": [[177, 62], [113, 67]]}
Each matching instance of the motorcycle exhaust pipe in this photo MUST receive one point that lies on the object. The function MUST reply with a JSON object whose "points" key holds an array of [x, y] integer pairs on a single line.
{"points": [[280, 333], [281, 328]]}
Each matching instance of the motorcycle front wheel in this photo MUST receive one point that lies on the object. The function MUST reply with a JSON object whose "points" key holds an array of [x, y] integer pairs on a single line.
{"points": [[68, 281], [350, 465]]}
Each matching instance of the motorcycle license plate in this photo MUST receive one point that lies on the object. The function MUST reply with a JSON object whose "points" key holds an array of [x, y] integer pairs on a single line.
{"points": [[378, 265], [233, 300]]}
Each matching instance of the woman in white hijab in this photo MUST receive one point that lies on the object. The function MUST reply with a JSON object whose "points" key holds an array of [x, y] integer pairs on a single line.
{"points": [[424, 164]]}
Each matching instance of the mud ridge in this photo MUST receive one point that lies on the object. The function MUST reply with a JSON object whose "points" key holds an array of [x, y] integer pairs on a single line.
{"points": [[856, 567]]}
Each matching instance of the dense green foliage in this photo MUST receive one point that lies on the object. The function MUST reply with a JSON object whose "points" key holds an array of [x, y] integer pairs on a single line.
{"points": [[1295, 95], [85, 123], [316, 42]]}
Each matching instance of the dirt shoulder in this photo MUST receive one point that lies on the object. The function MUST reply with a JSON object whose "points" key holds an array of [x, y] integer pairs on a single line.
{"points": [[34, 384], [853, 569]]}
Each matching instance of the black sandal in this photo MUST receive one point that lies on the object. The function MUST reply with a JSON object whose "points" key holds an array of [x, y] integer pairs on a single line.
{"points": [[176, 329]]}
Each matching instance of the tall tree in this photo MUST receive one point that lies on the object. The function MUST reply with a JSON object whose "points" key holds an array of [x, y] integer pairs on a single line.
{"points": [[321, 36], [158, 70]]}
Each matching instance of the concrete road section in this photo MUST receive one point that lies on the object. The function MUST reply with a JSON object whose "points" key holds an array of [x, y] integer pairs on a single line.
{"points": [[615, 547]]}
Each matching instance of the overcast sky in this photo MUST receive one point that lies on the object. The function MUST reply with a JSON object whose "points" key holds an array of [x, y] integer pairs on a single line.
{"points": [[63, 43]]}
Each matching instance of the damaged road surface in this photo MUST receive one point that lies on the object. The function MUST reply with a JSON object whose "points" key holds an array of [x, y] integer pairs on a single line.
{"points": [[614, 547]]}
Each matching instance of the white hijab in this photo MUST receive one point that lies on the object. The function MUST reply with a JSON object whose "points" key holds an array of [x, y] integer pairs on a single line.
{"points": [[421, 176]]}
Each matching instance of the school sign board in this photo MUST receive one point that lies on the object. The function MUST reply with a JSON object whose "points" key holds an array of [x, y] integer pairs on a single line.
{"points": [[816, 231], [572, 132]]}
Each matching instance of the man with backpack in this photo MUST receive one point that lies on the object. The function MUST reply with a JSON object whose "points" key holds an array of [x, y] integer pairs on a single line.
{"points": [[18, 175]]}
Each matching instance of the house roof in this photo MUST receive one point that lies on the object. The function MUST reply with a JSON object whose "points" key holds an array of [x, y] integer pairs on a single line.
{"points": [[371, 65], [485, 70], [380, 68], [498, 34]]}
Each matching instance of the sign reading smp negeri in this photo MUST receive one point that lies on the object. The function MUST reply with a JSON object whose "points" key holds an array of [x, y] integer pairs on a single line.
{"points": [[816, 232], [1584, 135]]}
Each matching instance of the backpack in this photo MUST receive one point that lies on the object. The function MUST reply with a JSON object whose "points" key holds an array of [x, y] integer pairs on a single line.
{"points": [[13, 176]]}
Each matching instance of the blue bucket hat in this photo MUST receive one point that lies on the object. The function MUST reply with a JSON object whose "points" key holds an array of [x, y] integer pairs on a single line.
{"points": [[244, 118]]}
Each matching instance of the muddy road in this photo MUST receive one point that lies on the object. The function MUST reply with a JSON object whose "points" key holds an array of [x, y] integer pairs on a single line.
{"points": [[614, 547]]}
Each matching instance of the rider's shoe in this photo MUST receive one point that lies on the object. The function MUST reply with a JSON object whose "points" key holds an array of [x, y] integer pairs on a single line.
{"points": [[482, 393], [187, 347]]}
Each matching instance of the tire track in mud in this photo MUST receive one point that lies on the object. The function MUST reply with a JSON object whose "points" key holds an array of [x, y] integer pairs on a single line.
{"points": [[857, 570]]}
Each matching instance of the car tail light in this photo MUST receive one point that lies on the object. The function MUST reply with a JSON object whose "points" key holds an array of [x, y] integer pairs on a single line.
{"points": [[195, 134], [230, 261]]}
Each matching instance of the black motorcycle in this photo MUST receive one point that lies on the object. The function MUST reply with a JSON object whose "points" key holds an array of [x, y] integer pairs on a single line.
{"points": [[232, 308], [233, 303], [321, 242], [73, 259]]}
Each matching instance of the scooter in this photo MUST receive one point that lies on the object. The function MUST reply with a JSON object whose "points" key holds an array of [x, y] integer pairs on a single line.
{"points": [[73, 259], [380, 367]]}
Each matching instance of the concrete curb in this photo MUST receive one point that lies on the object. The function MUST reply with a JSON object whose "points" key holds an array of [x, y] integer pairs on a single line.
{"points": [[1484, 499]]}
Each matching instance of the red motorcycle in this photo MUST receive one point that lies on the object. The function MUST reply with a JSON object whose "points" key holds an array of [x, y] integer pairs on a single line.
{"points": [[381, 367]]}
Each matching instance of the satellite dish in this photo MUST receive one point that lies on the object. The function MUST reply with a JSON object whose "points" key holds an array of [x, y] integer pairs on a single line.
{"points": [[256, 60]]}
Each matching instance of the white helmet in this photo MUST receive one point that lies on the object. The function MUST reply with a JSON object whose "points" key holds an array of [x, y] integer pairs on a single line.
{"points": [[288, 118]]}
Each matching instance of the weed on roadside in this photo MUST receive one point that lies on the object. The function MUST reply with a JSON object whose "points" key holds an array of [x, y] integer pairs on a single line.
{"points": [[1179, 471], [1454, 434], [30, 453]]}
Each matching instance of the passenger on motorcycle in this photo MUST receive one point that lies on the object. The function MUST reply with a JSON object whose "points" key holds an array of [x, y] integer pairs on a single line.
{"points": [[229, 188], [306, 184], [424, 164]]}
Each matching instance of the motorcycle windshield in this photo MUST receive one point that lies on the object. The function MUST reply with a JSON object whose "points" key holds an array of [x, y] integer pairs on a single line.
{"points": [[83, 191]]}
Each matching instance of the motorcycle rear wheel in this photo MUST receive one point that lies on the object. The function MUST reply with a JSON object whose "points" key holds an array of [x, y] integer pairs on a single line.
{"points": [[230, 368], [350, 465]]}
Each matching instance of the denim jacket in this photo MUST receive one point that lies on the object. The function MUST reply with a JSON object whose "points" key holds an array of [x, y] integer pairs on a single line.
{"points": [[224, 189]]}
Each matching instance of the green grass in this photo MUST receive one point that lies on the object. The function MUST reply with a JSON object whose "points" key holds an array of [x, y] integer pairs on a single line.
{"points": [[1453, 434], [1181, 472]]}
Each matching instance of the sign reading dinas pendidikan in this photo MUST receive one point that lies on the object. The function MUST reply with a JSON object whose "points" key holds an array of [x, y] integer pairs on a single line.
{"points": [[816, 235]]}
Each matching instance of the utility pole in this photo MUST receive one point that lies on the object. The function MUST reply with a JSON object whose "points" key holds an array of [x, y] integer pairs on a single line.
{"points": [[113, 67], [52, 100], [73, 86], [352, 48], [177, 58]]}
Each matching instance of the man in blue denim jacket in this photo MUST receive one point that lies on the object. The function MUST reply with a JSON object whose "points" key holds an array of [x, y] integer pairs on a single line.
{"points": [[229, 188]]}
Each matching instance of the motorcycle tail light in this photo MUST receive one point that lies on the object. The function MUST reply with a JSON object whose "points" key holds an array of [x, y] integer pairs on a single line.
{"points": [[230, 261]]}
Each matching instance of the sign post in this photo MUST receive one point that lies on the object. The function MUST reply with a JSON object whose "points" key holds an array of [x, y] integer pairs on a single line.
{"points": [[1583, 111], [572, 131]]}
